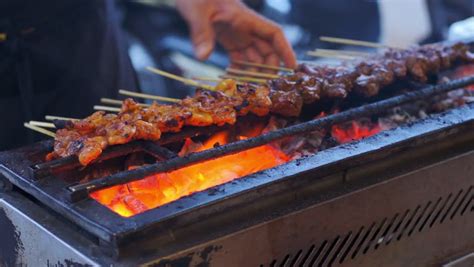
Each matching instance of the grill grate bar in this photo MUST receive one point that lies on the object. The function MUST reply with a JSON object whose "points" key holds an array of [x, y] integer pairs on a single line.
{"points": [[238, 146], [467, 205], [378, 235], [305, 260], [315, 254], [386, 232], [438, 213], [326, 259], [348, 243], [321, 252], [296, 258], [461, 203], [450, 207], [409, 223], [336, 252], [352, 244], [71, 162], [399, 227], [363, 240], [430, 214], [419, 219]]}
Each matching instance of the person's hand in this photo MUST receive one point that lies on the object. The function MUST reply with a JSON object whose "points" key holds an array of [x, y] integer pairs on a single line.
{"points": [[242, 32]]}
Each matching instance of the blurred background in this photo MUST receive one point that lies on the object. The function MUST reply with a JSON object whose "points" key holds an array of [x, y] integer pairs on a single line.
{"points": [[157, 35]]}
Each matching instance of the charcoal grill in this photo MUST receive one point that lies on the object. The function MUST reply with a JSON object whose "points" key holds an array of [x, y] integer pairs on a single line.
{"points": [[403, 197]]}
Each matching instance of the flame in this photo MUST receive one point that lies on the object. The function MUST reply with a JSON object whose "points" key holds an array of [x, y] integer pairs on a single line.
{"points": [[353, 131], [157, 190]]}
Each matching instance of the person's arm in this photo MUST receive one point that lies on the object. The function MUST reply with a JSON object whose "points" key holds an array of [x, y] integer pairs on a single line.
{"points": [[243, 33]]}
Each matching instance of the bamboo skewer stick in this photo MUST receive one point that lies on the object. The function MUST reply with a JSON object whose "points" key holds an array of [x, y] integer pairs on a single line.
{"points": [[111, 101], [106, 108], [354, 42], [217, 80], [118, 102], [52, 118], [263, 66], [244, 79], [39, 129], [207, 79], [252, 73], [148, 96], [179, 78], [328, 55], [343, 52], [171, 75], [42, 124]]}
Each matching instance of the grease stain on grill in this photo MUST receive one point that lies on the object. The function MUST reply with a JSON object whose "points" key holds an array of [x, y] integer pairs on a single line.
{"points": [[11, 245], [198, 259]]}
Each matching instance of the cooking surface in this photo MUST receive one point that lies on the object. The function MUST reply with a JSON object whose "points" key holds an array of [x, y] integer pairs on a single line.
{"points": [[109, 226]]}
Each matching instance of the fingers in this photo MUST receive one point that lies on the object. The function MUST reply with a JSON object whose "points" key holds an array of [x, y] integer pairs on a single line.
{"points": [[203, 37], [284, 50], [255, 53], [257, 39], [236, 56], [272, 60], [269, 55], [270, 32]]}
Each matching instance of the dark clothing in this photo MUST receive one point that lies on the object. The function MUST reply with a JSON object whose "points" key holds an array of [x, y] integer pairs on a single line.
{"points": [[443, 13], [60, 58], [356, 19]]}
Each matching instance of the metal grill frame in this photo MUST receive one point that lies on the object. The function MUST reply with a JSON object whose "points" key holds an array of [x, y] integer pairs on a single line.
{"points": [[396, 222], [208, 211]]}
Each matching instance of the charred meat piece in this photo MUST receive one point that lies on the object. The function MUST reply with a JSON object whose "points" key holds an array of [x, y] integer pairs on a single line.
{"points": [[286, 103], [168, 118]]}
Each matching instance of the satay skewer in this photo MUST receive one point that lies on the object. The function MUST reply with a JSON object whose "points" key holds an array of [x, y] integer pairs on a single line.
{"points": [[252, 73], [263, 66], [39, 129], [347, 41]]}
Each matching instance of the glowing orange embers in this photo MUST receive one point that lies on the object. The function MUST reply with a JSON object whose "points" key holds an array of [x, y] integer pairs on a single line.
{"points": [[154, 191], [465, 71], [353, 131], [157, 190]]}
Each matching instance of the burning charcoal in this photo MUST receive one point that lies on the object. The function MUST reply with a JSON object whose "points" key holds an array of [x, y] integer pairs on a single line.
{"points": [[354, 130], [134, 204]]}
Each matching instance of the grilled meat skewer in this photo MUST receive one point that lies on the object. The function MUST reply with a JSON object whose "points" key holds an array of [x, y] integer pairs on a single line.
{"points": [[286, 96]]}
